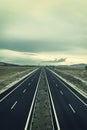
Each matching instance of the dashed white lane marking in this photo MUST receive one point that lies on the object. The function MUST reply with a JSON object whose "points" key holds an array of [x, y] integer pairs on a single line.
{"points": [[13, 90], [69, 89], [61, 92], [13, 105], [16, 87], [29, 83], [72, 108], [24, 90]]}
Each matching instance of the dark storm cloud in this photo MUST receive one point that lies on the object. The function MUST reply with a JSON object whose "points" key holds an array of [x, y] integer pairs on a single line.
{"points": [[34, 46]]}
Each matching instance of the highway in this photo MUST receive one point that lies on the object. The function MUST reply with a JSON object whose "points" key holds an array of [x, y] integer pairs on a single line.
{"points": [[15, 103], [70, 106]]}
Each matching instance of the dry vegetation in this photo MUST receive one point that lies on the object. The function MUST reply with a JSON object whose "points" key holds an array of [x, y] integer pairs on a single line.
{"points": [[9, 74], [75, 75]]}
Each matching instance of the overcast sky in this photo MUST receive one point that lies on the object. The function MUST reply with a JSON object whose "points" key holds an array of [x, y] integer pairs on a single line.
{"points": [[43, 31]]}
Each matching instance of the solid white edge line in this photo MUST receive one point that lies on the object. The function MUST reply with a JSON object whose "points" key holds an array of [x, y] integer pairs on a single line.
{"points": [[13, 105], [72, 108], [70, 89], [29, 114], [16, 87], [73, 93], [56, 118], [49, 104]]}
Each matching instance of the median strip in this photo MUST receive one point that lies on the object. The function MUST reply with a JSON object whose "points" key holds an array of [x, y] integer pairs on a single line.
{"points": [[42, 117]]}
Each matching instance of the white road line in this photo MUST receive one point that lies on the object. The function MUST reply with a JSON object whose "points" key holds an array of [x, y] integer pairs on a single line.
{"points": [[72, 108], [61, 92], [56, 118], [56, 85], [24, 90], [13, 90], [50, 106], [16, 87], [73, 93], [29, 114], [70, 90], [13, 105], [29, 83]]}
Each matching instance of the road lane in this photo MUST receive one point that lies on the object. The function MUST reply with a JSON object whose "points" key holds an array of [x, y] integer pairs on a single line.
{"points": [[14, 87], [72, 113], [72, 108], [15, 107], [61, 92], [24, 90], [75, 92]]}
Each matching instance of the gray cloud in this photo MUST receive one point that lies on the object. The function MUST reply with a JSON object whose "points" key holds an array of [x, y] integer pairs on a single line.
{"points": [[32, 46], [55, 60], [10, 56], [44, 27], [43, 46]]}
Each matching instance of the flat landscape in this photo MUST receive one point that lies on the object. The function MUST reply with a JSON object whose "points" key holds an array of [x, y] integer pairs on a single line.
{"points": [[10, 73], [75, 75]]}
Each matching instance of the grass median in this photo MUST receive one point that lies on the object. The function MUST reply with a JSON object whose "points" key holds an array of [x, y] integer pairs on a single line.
{"points": [[42, 115]]}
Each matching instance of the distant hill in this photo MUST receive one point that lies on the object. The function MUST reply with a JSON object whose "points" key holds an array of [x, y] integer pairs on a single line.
{"points": [[10, 64], [82, 65], [7, 64], [79, 65]]}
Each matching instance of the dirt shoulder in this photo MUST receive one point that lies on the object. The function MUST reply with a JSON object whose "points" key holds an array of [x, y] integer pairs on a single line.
{"points": [[75, 76], [42, 116], [10, 74]]}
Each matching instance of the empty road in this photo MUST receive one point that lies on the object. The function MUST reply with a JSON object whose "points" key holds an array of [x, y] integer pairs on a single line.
{"points": [[70, 106], [15, 103]]}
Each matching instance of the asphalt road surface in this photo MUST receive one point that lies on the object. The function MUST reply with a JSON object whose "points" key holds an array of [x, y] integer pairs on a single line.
{"points": [[70, 106], [15, 103]]}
